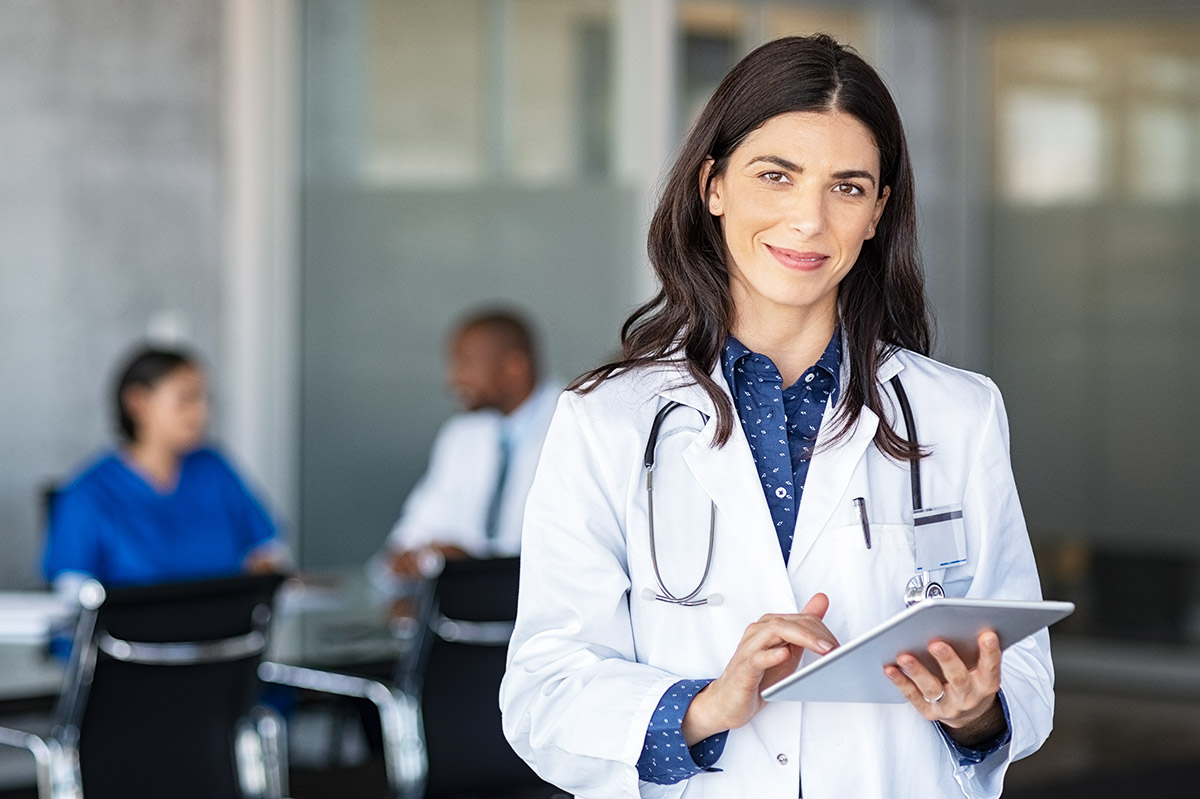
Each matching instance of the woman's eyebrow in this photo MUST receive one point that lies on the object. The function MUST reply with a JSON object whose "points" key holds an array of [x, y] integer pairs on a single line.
{"points": [[851, 174], [775, 160]]}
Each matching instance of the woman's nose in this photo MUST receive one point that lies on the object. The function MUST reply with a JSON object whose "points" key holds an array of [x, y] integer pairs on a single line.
{"points": [[807, 212]]}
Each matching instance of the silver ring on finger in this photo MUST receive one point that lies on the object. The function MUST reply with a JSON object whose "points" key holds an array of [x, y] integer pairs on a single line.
{"points": [[936, 699]]}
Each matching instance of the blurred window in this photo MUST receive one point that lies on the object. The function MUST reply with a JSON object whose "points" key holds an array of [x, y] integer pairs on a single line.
{"points": [[1083, 111], [715, 34], [1054, 145], [460, 90]]}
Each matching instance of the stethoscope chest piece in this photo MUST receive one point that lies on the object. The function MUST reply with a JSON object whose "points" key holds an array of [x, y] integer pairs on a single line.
{"points": [[920, 588]]}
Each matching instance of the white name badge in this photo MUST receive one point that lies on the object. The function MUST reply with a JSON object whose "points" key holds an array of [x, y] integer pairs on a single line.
{"points": [[941, 538]]}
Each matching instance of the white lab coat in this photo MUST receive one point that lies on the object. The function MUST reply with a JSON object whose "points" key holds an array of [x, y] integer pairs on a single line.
{"points": [[449, 504], [590, 657]]}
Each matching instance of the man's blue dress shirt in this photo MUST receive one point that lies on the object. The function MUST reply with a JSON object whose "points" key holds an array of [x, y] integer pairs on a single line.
{"points": [[781, 427]]}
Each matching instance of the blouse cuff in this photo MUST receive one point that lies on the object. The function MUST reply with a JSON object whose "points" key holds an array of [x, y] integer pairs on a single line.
{"points": [[973, 755], [666, 758]]}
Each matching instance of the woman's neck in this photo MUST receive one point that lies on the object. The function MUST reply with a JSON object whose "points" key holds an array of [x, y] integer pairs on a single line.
{"points": [[157, 462], [794, 341]]}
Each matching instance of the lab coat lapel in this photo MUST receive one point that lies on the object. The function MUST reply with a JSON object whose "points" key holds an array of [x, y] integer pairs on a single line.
{"points": [[828, 477], [832, 467], [729, 477]]}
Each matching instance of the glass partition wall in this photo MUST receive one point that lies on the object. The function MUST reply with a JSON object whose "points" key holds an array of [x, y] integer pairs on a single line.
{"points": [[1096, 298], [470, 152], [455, 154], [1095, 301]]}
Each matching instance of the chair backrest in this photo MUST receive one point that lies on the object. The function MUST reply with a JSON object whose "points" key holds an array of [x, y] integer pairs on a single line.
{"points": [[469, 626], [47, 495], [165, 678]]}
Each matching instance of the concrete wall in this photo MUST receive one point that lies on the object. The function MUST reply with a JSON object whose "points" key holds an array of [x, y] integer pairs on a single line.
{"points": [[110, 222]]}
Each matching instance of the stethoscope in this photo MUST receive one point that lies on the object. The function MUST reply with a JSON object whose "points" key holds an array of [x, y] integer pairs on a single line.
{"points": [[692, 598], [920, 587]]}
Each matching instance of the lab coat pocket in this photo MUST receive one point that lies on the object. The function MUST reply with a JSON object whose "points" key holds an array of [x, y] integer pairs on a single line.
{"points": [[866, 584]]}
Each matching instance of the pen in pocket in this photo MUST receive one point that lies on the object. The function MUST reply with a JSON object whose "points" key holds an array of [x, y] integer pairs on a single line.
{"points": [[860, 506]]}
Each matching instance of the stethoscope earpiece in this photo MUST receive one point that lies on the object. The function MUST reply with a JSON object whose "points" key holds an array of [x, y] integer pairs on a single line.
{"points": [[650, 595]]}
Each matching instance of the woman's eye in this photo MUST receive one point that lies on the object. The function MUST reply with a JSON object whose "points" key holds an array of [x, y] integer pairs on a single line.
{"points": [[775, 177], [851, 189]]}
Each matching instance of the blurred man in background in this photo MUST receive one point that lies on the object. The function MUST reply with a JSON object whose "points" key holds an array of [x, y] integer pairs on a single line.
{"points": [[471, 499]]}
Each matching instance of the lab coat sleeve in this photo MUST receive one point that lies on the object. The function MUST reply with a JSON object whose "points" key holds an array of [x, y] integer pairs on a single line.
{"points": [[576, 702], [1005, 569], [442, 506]]}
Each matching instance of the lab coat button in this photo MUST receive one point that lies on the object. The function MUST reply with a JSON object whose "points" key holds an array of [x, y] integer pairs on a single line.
{"points": [[782, 759]]}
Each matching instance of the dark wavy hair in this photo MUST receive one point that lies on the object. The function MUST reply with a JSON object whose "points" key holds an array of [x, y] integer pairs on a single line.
{"points": [[144, 367], [881, 300]]}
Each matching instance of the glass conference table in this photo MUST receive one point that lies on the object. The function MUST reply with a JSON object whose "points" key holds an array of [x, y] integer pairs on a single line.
{"points": [[328, 620]]}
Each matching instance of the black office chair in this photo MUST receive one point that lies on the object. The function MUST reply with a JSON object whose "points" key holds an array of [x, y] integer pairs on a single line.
{"points": [[440, 717], [160, 694], [468, 629], [47, 495]]}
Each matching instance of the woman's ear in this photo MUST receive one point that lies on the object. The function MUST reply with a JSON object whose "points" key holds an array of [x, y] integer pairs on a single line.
{"points": [[134, 399], [709, 195], [880, 204]]}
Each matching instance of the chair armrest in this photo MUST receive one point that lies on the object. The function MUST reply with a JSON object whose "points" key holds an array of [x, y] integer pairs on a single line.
{"points": [[55, 764], [479, 633], [185, 653], [19, 739], [399, 718]]}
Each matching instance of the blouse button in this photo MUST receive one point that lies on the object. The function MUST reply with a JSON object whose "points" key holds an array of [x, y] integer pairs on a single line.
{"points": [[808, 378], [781, 492], [782, 759]]}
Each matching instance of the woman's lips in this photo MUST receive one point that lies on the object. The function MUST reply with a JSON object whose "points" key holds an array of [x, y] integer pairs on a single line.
{"points": [[803, 261]]}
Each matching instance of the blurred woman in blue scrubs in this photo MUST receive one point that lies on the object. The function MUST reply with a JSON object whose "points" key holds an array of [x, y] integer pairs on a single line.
{"points": [[163, 505]]}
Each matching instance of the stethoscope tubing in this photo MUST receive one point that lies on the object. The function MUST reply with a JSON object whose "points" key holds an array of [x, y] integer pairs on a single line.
{"points": [[664, 595], [910, 433], [690, 599]]}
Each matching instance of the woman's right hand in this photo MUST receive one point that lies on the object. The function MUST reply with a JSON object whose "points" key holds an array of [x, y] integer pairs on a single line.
{"points": [[769, 650]]}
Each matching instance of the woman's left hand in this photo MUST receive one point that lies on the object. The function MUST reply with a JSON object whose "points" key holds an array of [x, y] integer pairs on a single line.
{"points": [[966, 701]]}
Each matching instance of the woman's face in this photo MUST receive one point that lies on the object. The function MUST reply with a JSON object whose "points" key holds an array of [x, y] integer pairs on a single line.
{"points": [[796, 201], [172, 413]]}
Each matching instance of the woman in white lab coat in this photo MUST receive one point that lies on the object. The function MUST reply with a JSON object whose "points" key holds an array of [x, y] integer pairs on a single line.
{"points": [[785, 244]]}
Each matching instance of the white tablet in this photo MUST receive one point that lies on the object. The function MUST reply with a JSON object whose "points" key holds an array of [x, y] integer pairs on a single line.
{"points": [[854, 671]]}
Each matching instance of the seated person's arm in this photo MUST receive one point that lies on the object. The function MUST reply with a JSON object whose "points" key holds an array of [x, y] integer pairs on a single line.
{"points": [[270, 556], [72, 553], [265, 550], [423, 561], [68, 583], [430, 529]]}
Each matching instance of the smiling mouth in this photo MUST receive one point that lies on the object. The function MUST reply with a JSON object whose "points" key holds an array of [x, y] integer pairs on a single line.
{"points": [[803, 261]]}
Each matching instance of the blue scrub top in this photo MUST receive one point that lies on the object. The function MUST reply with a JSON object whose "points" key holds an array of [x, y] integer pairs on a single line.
{"points": [[113, 525]]}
